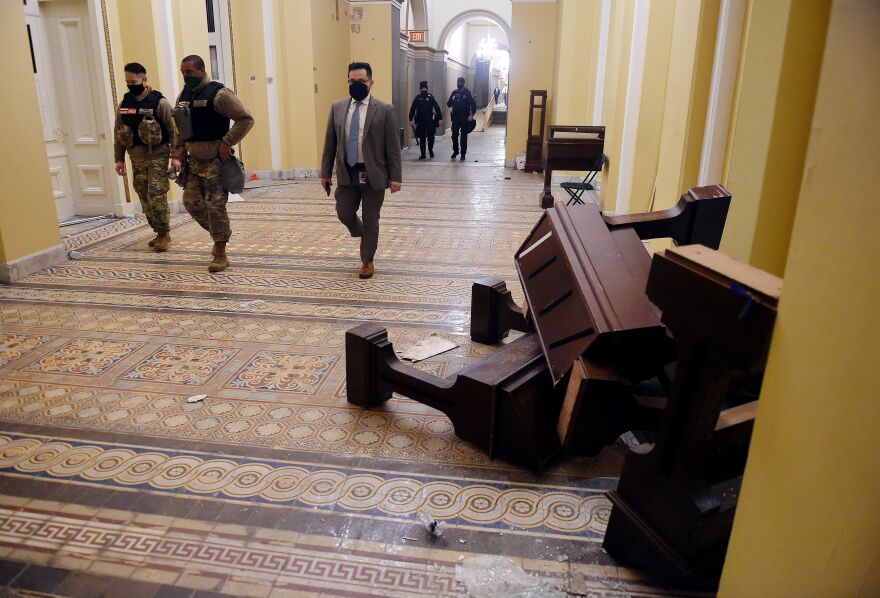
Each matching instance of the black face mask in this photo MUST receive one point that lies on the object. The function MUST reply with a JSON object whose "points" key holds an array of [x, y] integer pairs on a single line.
{"points": [[424, 93], [358, 90], [136, 89], [192, 81], [460, 86]]}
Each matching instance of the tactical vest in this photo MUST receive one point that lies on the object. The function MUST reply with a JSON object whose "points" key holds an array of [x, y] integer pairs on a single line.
{"points": [[207, 125], [132, 112], [461, 109]]}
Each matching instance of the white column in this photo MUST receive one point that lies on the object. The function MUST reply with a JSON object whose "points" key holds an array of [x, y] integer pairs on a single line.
{"points": [[724, 70], [634, 78], [604, 34], [164, 18], [271, 85]]}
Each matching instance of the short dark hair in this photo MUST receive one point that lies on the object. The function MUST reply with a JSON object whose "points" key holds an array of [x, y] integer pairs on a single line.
{"points": [[135, 67], [354, 66], [195, 59]]}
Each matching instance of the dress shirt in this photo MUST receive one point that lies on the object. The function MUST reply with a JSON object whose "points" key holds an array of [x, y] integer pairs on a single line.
{"points": [[365, 103]]}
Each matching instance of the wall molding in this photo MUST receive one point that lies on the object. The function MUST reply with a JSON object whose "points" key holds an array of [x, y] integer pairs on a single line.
{"points": [[728, 48], [27, 265]]}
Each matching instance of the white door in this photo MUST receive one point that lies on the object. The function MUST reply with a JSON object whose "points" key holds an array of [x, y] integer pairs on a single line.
{"points": [[80, 147], [56, 150], [219, 44]]}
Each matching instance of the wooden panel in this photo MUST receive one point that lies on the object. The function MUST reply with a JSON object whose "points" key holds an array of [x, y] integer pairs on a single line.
{"points": [[77, 92]]}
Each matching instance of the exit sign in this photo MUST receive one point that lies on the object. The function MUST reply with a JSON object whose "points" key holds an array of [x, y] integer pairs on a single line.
{"points": [[417, 36]]}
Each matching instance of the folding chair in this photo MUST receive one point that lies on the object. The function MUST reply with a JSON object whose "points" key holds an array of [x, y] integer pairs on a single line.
{"points": [[576, 190]]}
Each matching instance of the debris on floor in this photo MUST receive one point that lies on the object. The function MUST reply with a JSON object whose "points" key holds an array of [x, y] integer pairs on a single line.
{"points": [[428, 347], [247, 304], [434, 527], [489, 576], [196, 398]]}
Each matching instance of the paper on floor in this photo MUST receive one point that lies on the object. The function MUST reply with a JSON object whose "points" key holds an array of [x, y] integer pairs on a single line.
{"points": [[428, 347]]}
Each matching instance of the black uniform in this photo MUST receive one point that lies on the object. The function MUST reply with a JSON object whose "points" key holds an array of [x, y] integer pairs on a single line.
{"points": [[463, 105], [425, 111]]}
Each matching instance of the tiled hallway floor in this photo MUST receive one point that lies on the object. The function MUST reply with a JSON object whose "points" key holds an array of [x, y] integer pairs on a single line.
{"points": [[112, 484]]}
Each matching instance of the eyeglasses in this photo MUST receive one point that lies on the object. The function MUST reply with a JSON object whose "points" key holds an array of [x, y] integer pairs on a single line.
{"points": [[364, 81]]}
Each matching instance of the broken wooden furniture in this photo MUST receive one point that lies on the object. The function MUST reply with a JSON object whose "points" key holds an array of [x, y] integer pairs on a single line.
{"points": [[584, 282], [535, 140], [674, 506], [505, 404], [697, 218], [576, 148]]}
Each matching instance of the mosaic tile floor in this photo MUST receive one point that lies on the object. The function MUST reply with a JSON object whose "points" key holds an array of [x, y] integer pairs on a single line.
{"points": [[111, 483]]}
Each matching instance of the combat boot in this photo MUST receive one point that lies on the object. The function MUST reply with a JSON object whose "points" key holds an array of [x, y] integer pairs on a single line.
{"points": [[152, 242], [161, 242], [220, 262]]}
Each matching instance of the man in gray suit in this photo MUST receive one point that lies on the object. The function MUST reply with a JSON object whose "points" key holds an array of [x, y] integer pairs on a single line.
{"points": [[363, 140]]}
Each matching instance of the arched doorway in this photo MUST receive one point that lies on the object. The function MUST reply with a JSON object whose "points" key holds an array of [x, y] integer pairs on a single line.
{"points": [[476, 43]]}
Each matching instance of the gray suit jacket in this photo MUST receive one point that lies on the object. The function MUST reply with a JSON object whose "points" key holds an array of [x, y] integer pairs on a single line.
{"points": [[381, 147]]}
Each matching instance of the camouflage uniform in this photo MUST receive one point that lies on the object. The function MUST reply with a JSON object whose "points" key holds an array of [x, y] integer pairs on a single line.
{"points": [[150, 170], [151, 184], [205, 198]]}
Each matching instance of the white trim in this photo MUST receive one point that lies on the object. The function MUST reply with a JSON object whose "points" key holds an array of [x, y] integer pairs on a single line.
{"points": [[164, 16], [271, 85], [468, 15], [724, 70], [626, 163], [398, 3], [602, 63], [25, 266]]}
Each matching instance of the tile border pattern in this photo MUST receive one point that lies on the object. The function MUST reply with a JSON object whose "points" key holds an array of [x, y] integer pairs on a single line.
{"points": [[572, 513]]}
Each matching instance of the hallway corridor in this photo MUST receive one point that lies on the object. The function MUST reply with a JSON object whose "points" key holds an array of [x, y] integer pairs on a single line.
{"points": [[274, 484]]}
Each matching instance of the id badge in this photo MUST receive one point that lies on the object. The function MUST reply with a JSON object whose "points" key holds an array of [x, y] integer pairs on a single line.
{"points": [[362, 177]]}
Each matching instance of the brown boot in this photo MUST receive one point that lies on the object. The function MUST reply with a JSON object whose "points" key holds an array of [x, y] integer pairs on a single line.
{"points": [[152, 242], [220, 261], [162, 242], [366, 270]]}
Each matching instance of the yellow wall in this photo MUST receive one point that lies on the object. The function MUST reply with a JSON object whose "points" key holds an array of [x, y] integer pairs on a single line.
{"points": [[651, 108], [332, 55], [29, 221], [190, 29], [807, 523], [577, 50], [138, 37], [769, 133], [614, 97], [687, 94], [532, 66], [374, 45], [299, 139], [250, 73]]}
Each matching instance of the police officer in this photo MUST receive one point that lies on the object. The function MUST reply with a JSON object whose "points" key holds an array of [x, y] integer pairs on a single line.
{"points": [[463, 109], [144, 130], [211, 107], [425, 115]]}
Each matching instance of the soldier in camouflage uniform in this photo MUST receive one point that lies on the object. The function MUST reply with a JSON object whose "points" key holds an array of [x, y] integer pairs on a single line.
{"points": [[211, 107], [144, 129]]}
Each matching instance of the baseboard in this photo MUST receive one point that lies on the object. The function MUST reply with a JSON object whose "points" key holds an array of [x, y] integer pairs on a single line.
{"points": [[27, 265], [283, 175]]}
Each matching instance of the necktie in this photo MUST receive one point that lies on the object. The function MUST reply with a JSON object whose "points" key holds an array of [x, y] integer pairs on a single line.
{"points": [[354, 132]]}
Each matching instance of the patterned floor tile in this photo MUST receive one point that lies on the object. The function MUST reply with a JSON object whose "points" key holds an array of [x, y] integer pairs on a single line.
{"points": [[181, 364], [84, 357], [275, 371], [15, 346]]}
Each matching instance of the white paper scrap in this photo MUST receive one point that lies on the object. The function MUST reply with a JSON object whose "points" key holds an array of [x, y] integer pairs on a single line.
{"points": [[196, 398], [428, 347]]}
